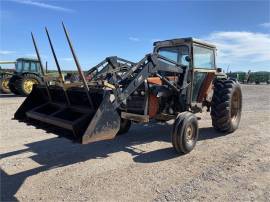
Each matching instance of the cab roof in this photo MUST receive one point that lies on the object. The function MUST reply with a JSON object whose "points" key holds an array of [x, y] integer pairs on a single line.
{"points": [[178, 41], [28, 59]]}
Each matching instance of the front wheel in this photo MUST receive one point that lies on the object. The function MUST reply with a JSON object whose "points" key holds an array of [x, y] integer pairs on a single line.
{"points": [[12, 85], [124, 126], [185, 132], [25, 84]]}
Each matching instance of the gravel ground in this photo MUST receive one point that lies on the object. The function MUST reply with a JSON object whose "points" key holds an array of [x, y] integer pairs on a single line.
{"points": [[139, 166]]}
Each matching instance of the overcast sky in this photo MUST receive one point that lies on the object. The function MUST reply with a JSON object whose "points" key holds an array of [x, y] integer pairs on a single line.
{"points": [[240, 29]]}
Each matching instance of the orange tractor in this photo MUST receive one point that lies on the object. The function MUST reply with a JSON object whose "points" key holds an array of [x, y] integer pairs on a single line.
{"points": [[176, 81]]}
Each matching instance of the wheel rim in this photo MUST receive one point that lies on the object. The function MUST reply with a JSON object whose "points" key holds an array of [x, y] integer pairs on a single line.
{"points": [[189, 134], [28, 85], [5, 84], [235, 106]]}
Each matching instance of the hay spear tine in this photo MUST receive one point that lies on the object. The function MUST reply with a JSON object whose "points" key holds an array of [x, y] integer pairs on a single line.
{"points": [[78, 65], [58, 67], [41, 66]]}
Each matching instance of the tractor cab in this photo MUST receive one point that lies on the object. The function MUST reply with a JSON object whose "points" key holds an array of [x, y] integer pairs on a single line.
{"points": [[199, 57], [27, 65], [188, 51]]}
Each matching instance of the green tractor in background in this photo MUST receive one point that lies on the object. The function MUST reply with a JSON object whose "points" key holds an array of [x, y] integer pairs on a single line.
{"points": [[251, 77], [20, 79], [27, 73], [260, 77], [5, 75], [240, 76]]}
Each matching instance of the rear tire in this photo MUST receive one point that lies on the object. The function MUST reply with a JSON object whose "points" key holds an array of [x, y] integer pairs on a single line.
{"points": [[226, 105], [185, 132], [25, 84], [124, 126]]}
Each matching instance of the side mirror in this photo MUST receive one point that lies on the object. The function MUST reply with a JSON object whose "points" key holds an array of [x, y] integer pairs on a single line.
{"points": [[187, 58]]}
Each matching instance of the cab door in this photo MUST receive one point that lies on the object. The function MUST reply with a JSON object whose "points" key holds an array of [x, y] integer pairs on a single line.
{"points": [[204, 69]]}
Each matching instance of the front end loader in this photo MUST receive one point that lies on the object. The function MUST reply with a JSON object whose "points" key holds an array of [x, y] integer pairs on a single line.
{"points": [[177, 80]]}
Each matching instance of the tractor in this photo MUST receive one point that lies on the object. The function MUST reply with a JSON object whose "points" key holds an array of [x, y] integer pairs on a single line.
{"points": [[260, 77], [177, 80], [27, 74], [5, 75]]}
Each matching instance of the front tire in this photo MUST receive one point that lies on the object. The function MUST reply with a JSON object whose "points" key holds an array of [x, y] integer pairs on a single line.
{"points": [[226, 105], [185, 132], [12, 85], [25, 84], [124, 126]]}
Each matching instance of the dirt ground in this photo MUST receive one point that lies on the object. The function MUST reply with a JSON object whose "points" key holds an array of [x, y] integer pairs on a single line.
{"points": [[141, 165]]}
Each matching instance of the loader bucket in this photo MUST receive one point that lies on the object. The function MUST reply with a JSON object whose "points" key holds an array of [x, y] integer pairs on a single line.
{"points": [[87, 122]]}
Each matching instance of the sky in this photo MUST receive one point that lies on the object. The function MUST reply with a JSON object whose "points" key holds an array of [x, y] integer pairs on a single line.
{"points": [[98, 29]]}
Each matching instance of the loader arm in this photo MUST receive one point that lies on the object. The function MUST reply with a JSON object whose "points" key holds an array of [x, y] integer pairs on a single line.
{"points": [[106, 122], [110, 65], [151, 64]]}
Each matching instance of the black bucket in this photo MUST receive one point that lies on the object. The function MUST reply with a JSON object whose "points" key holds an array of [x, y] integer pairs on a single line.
{"points": [[87, 122]]}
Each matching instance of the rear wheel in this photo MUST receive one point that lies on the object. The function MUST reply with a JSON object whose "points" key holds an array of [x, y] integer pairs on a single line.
{"points": [[185, 132], [124, 126], [4, 87], [25, 84], [226, 105]]}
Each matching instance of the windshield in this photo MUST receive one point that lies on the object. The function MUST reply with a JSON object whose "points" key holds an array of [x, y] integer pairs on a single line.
{"points": [[177, 53], [19, 66]]}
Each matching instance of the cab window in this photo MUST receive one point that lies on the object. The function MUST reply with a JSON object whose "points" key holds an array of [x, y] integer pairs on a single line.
{"points": [[177, 54], [33, 67], [19, 66], [203, 57], [38, 67], [170, 53], [26, 66]]}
